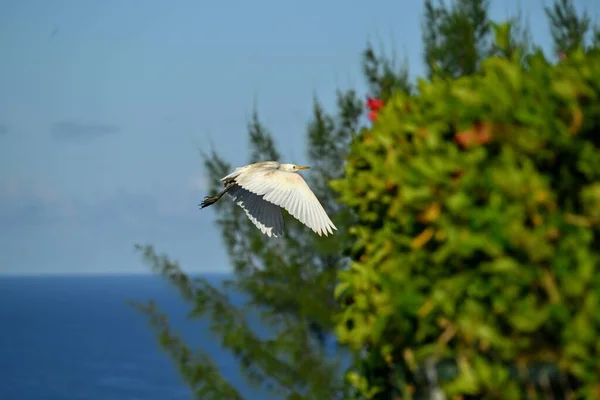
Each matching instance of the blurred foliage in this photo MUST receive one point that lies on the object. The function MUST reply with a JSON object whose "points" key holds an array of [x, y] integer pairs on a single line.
{"points": [[456, 270], [456, 38], [568, 29], [384, 77], [476, 254]]}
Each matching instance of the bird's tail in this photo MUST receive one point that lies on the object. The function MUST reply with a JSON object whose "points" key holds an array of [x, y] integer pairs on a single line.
{"points": [[208, 200]]}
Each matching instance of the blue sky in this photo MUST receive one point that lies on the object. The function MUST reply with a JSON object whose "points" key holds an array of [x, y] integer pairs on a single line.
{"points": [[103, 103]]}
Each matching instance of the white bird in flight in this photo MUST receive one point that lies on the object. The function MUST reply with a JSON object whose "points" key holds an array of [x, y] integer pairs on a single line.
{"points": [[260, 189]]}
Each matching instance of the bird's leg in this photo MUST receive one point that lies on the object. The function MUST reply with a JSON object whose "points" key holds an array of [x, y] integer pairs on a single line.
{"points": [[209, 200]]}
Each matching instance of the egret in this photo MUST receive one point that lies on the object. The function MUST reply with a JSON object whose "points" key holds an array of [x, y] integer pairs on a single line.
{"points": [[263, 188]]}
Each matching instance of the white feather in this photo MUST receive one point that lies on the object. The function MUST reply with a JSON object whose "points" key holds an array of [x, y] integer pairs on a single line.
{"points": [[264, 215], [261, 188]]}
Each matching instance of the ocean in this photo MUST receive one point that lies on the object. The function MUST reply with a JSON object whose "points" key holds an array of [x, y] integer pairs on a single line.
{"points": [[74, 337]]}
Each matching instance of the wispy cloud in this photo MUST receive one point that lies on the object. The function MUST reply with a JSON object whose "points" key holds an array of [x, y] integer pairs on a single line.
{"points": [[35, 203], [198, 183], [29, 204], [44, 230], [78, 131]]}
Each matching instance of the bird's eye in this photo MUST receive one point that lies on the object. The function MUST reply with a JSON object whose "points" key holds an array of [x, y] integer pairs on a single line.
{"points": [[294, 167]]}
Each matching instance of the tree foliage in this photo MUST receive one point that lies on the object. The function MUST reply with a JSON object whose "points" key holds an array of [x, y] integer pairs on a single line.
{"points": [[477, 239], [448, 261], [569, 30], [456, 38]]}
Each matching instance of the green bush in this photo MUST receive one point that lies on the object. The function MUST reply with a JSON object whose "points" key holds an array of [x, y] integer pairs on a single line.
{"points": [[478, 233]]}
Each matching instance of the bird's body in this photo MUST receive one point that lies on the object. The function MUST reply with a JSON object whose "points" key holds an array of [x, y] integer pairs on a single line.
{"points": [[262, 189]]}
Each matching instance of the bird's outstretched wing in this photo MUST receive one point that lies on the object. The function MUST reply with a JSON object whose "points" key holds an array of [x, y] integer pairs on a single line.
{"points": [[264, 215], [290, 191]]}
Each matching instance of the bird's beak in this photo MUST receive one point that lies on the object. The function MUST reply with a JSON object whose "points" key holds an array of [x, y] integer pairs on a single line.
{"points": [[301, 167]]}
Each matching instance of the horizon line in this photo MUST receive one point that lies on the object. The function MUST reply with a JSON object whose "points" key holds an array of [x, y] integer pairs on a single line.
{"points": [[99, 274]]}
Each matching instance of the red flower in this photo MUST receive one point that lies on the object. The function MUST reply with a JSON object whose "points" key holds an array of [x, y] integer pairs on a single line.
{"points": [[374, 105], [479, 134]]}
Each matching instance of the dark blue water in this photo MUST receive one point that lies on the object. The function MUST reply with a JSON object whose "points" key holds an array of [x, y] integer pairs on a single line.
{"points": [[76, 338]]}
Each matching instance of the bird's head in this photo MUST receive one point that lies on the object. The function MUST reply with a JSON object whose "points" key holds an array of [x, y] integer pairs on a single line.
{"points": [[293, 167]]}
